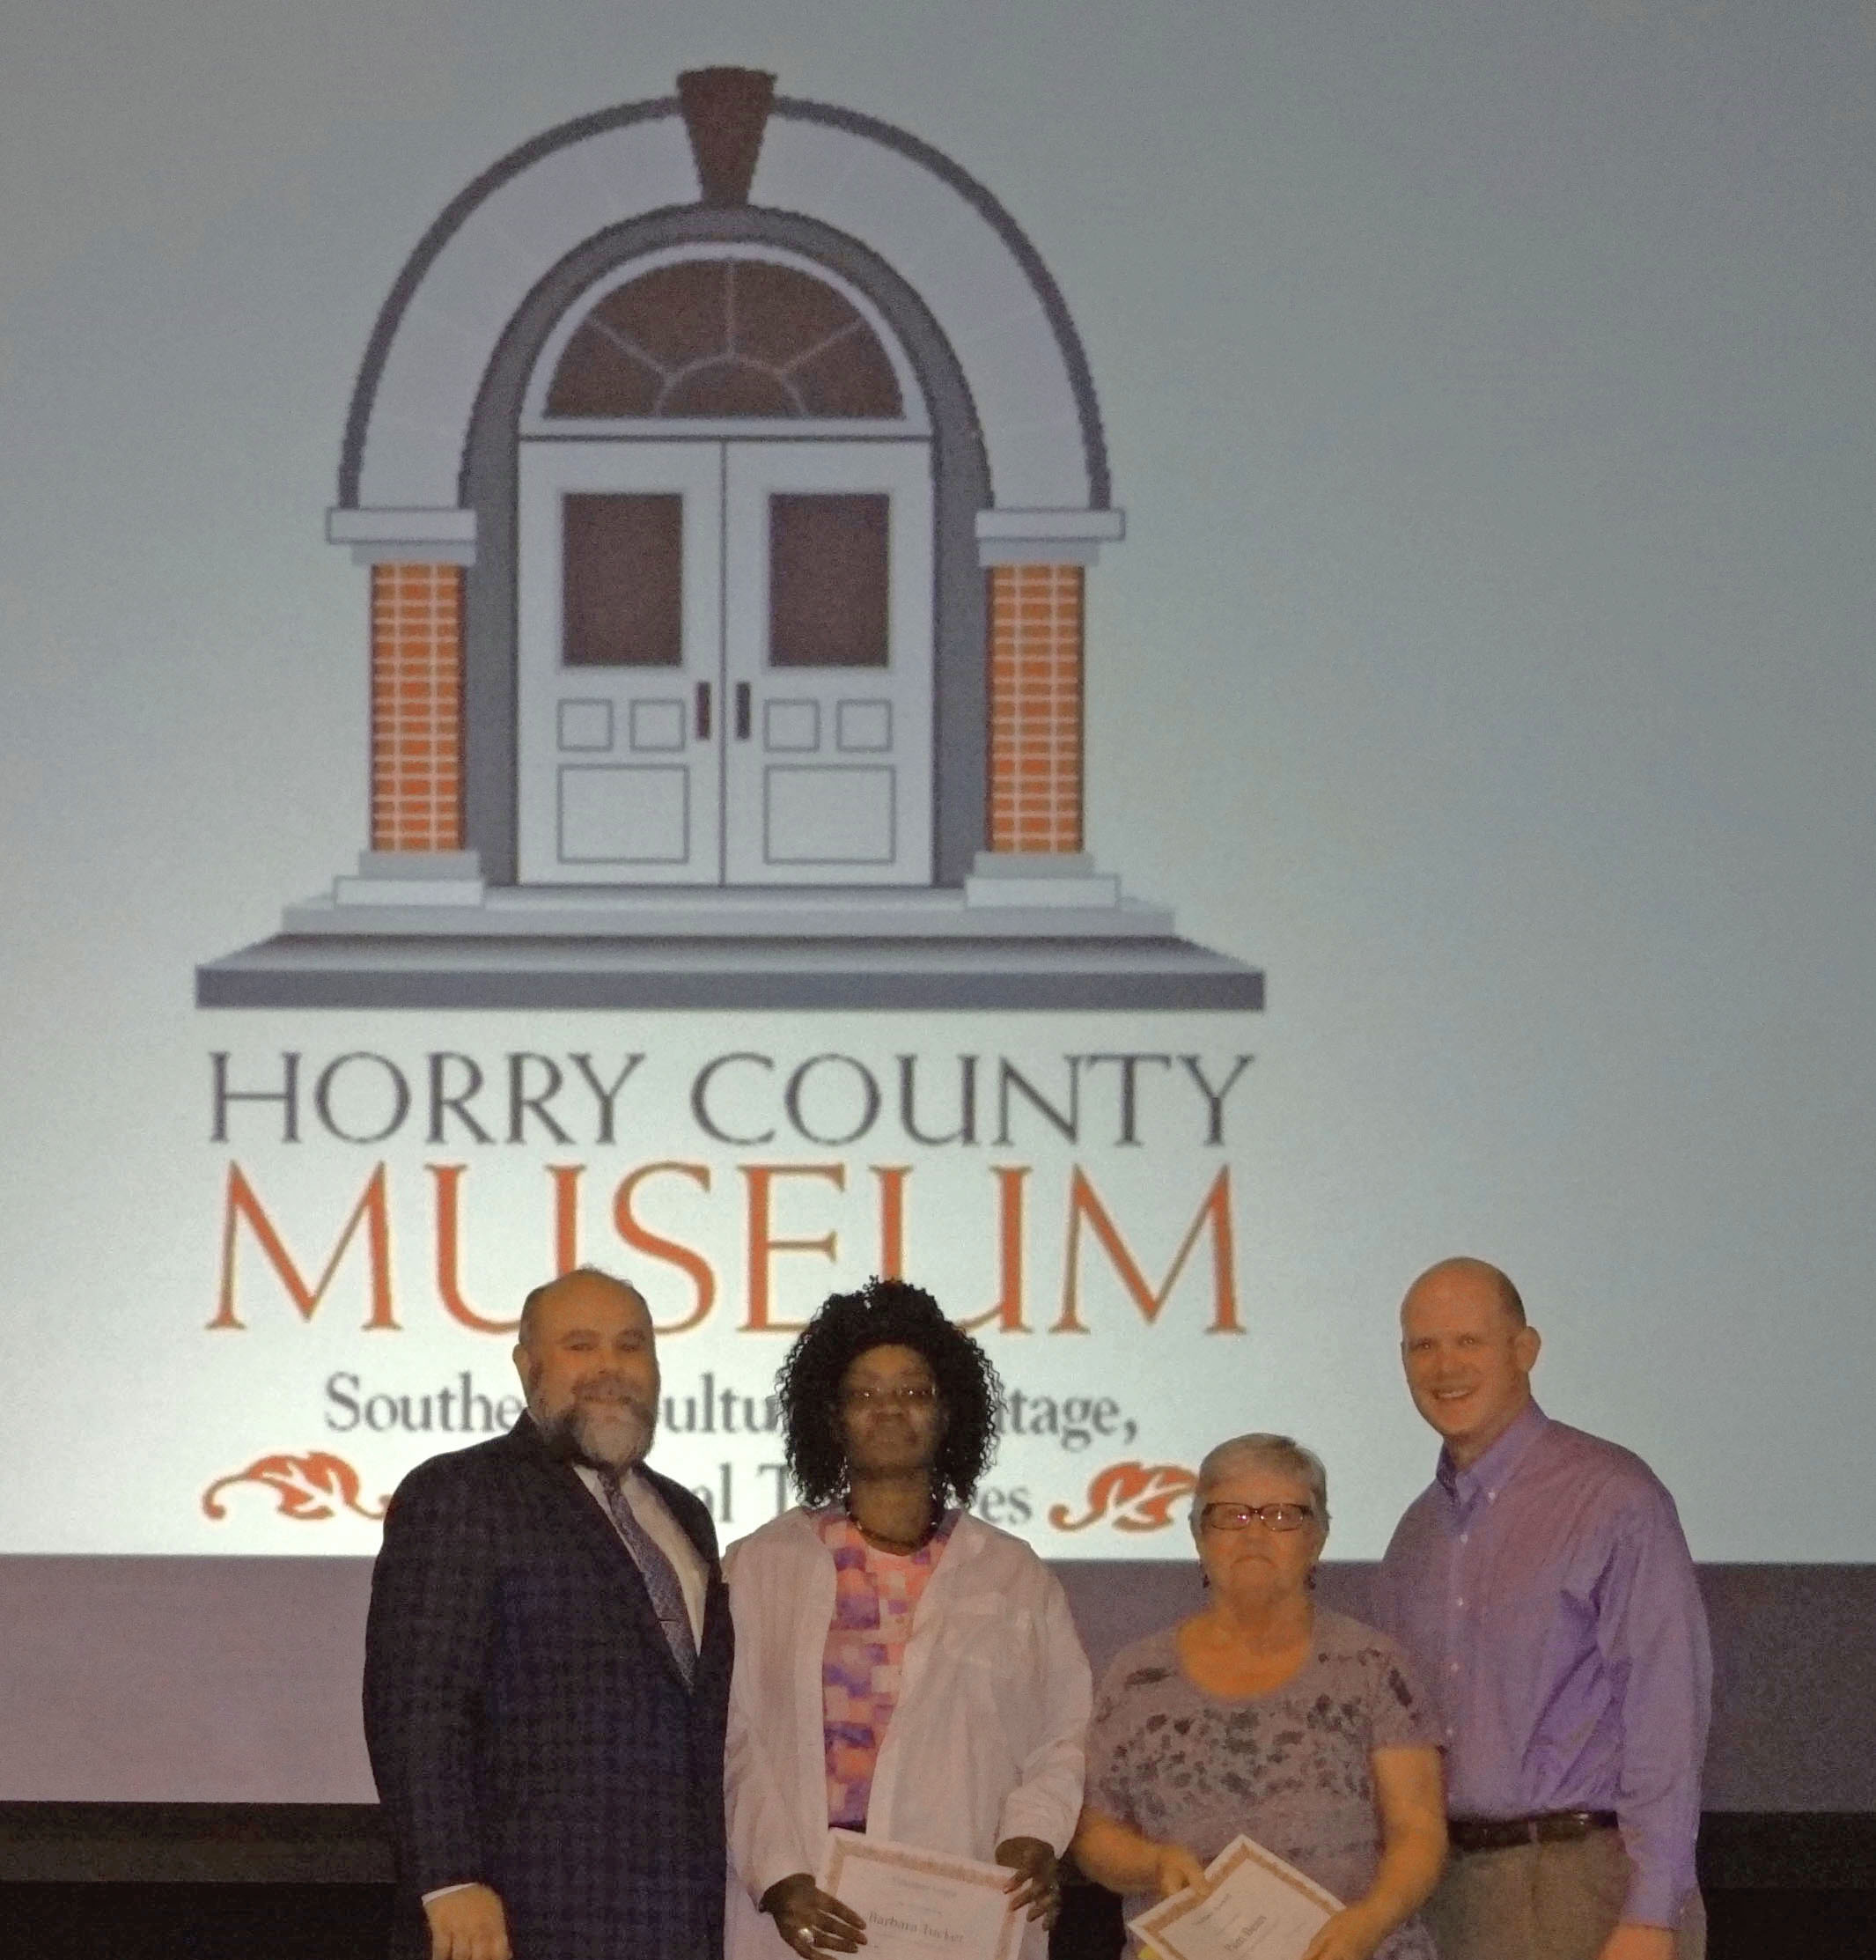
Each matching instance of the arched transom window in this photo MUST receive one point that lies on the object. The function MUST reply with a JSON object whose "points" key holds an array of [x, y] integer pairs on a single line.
{"points": [[732, 338]]}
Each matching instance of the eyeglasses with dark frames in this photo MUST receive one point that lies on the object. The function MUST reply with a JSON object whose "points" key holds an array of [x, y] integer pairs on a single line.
{"points": [[1239, 1517]]}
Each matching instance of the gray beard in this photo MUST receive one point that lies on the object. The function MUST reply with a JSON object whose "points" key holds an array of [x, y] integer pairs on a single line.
{"points": [[607, 1436]]}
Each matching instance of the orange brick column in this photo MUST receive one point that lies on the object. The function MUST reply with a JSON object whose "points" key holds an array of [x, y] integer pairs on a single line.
{"points": [[416, 702], [1035, 708]]}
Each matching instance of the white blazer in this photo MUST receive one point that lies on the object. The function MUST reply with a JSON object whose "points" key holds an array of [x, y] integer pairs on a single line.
{"points": [[987, 1739]]}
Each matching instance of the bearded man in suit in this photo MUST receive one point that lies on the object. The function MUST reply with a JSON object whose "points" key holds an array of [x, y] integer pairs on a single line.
{"points": [[547, 1668]]}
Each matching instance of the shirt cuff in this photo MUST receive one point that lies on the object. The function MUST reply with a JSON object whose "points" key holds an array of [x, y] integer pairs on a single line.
{"points": [[1655, 1900], [1034, 1820], [443, 1891], [772, 1871]]}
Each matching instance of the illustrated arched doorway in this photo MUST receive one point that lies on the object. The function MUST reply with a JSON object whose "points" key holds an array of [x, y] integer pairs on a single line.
{"points": [[725, 596], [909, 481]]}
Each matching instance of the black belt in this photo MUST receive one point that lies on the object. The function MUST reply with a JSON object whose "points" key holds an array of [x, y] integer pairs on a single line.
{"points": [[1546, 1827]]}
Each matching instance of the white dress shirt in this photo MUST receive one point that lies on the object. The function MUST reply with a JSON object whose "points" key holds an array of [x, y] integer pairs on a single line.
{"points": [[665, 1533]]}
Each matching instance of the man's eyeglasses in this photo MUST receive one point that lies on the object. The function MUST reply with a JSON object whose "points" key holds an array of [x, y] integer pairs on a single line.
{"points": [[1239, 1517], [917, 1396]]}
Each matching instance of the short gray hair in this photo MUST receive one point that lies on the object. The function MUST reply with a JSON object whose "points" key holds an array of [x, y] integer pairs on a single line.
{"points": [[1263, 1449]]}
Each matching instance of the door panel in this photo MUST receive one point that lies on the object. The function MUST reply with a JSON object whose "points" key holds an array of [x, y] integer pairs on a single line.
{"points": [[829, 580], [827, 654], [817, 815], [621, 557], [619, 663], [725, 667]]}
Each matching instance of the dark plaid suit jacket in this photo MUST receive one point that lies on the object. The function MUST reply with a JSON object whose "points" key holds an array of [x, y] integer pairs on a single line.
{"points": [[527, 1726]]}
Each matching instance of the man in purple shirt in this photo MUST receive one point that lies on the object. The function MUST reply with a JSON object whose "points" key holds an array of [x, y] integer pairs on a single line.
{"points": [[1543, 1585]]}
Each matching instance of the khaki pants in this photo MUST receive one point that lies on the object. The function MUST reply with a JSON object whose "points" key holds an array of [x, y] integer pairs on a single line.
{"points": [[1543, 1901]]}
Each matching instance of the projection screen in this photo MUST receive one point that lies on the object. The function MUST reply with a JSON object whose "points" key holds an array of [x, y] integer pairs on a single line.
{"points": [[1254, 671]]}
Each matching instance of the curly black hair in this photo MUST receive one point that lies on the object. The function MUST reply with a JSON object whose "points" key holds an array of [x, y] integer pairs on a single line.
{"points": [[885, 1313]]}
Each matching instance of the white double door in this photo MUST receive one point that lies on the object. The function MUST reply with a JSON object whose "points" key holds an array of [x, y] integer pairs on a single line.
{"points": [[724, 662]]}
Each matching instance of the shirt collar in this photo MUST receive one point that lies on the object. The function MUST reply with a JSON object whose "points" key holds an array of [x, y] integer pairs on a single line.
{"points": [[1489, 1474]]}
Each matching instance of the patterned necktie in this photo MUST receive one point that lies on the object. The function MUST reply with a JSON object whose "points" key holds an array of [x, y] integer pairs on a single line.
{"points": [[659, 1576]]}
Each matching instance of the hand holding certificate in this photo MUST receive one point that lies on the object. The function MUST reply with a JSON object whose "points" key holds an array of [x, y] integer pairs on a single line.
{"points": [[1252, 1907], [923, 1904]]}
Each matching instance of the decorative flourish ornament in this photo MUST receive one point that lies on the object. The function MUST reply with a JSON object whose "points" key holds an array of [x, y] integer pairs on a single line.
{"points": [[1132, 1497], [309, 1488]]}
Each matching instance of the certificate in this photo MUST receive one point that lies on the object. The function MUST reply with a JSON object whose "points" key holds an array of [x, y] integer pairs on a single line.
{"points": [[1252, 1907], [923, 1904]]}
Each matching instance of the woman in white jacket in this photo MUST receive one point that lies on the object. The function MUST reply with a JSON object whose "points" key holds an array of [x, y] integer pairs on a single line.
{"points": [[902, 1667]]}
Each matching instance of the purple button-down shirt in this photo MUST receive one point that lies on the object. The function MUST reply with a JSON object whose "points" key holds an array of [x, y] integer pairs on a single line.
{"points": [[1548, 1595]]}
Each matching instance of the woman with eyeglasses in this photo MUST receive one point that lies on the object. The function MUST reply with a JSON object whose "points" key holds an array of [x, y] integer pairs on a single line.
{"points": [[1267, 1715], [902, 1667]]}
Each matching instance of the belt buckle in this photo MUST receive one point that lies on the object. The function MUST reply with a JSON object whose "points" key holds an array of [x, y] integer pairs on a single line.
{"points": [[1472, 1834]]}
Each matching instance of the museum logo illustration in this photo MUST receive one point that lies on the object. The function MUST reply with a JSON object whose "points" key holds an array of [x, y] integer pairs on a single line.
{"points": [[728, 471]]}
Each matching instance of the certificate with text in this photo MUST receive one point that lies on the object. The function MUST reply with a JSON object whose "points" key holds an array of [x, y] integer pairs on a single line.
{"points": [[1252, 1907], [923, 1904]]}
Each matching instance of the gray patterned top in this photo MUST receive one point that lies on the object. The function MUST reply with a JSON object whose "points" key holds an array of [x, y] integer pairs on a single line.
{"points": [[1290, 1769]]}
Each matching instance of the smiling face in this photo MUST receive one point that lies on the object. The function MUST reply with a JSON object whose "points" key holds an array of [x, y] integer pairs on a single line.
{"points": [[890, 1417], [590, 1370], [1254, 1563], [1468, 1358]]}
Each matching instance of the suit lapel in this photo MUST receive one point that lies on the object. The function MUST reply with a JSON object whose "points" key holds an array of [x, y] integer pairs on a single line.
{"points": [[584, 1520]]}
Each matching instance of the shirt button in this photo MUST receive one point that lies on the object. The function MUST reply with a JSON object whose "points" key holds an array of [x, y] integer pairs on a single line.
{"points": [[1463, 1536], [1458, 1603], [1451, 1666]]}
